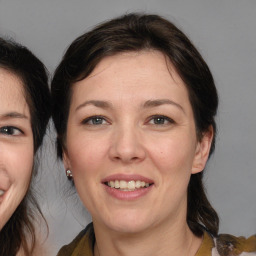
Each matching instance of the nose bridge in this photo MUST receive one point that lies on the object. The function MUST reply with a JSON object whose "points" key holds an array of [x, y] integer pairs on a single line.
{"points": [[126, 143]]}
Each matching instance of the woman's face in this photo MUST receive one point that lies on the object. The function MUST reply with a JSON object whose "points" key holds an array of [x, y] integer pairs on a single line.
{"points": [[131, 142], [16, 145]]}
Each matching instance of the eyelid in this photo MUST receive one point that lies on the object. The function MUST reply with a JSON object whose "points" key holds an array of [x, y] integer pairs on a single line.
{"points": [[87, 119], [11, 127], [170, 120]]}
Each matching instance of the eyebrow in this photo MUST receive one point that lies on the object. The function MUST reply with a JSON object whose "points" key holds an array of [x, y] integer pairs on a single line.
{"points": [[11, 115], [147, 104], [96, 103], [159, 102]]}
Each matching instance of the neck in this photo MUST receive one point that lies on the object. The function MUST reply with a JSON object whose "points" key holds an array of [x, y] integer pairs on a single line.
{"points": [[159, 241]]}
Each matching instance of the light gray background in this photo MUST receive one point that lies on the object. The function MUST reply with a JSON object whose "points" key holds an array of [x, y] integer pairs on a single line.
{"points": [[224, 31]]}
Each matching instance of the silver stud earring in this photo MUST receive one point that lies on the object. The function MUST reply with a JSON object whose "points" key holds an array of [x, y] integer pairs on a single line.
{"points": [[69, 174]]}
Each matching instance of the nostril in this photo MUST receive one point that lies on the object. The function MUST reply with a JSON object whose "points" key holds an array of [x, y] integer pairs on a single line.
{"points": [[126, 148]]}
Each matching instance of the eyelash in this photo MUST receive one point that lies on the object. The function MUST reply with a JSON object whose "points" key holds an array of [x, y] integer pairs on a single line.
{"points": [[162, 118], [90, 120], [10, 131]]}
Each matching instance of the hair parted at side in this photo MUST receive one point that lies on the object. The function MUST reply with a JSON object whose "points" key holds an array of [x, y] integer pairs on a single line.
{"points": [[137, 32], [19, 231]]}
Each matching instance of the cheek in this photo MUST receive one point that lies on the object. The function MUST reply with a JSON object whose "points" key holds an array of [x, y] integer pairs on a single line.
{"points": [[19, 159], [86, 159], [18, 162], [22, 167], [173, 155], [86, 155]]}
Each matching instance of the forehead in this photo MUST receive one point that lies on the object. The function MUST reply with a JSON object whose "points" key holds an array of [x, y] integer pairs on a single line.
{"points": [[140, 61], [11, 92], [131, 72]]}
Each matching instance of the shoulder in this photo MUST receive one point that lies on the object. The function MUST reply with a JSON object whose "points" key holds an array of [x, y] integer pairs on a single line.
{"points": [[227, 245], [81, 244], [231, 245]]}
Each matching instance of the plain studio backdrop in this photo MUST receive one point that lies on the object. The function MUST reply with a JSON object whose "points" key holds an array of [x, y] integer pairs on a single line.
{"points": [[224, 31]]}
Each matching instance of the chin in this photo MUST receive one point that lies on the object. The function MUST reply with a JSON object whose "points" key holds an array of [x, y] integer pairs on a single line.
{"points": [[128, 228], [128, 223]]}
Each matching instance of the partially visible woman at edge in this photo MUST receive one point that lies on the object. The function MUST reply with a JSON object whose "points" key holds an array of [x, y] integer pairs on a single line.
{"points": [[134, 106], [24, 114]]}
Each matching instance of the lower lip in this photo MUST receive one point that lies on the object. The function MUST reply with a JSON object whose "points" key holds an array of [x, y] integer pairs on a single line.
{"points": [[127, 195]]}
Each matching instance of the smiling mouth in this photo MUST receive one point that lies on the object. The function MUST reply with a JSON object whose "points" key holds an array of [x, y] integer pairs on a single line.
{"points": [[131, 185]]}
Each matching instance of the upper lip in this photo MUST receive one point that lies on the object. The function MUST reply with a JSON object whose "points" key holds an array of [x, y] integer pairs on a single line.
{"points": [[127, 177]]}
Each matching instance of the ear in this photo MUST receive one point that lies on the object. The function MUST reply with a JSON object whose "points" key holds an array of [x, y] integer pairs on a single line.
{"points": [[66, 160], [202, 151]]}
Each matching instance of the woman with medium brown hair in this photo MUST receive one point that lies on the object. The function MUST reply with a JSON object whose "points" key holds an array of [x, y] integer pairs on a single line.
{"points": [[134, 106], [24, 113]]}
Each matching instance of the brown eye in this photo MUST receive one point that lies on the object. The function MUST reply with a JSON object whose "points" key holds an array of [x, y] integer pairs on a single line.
{"points": [[10, 130]]}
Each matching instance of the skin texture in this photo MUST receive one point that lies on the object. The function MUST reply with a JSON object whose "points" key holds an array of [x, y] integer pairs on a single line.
{"points": [[16, 144], [144, 126]]}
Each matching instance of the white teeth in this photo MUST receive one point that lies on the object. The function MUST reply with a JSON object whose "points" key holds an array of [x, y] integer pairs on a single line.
{"points": [[123, 184], [127, 186], [131, 185], [137, 184], [117, 184], [1, 192], [112, 184]]}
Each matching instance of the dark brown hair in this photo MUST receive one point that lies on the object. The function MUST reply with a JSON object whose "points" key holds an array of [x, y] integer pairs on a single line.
{"points": [[19, 231], [137, 32]]}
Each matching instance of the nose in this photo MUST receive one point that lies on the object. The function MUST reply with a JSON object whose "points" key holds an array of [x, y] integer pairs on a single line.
{"points": [[126, 145]]}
